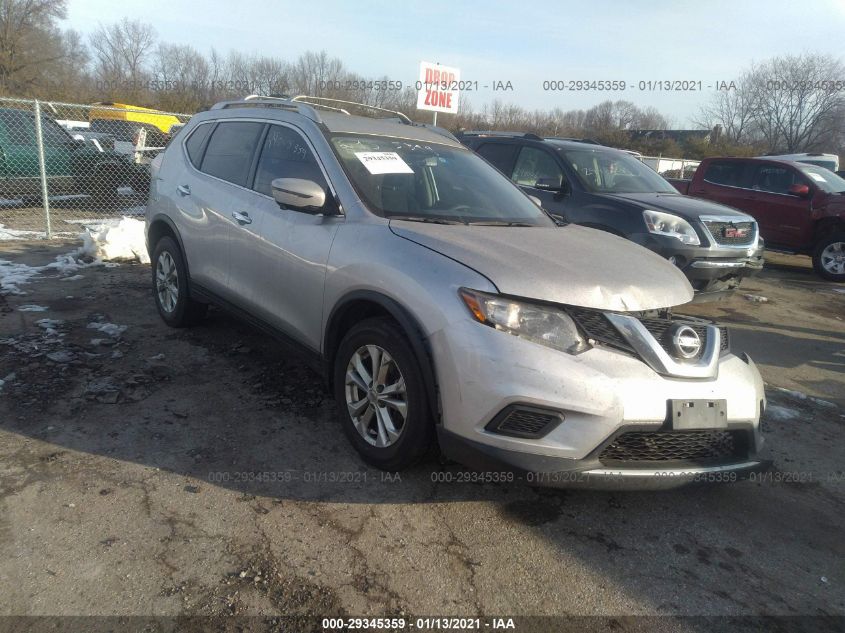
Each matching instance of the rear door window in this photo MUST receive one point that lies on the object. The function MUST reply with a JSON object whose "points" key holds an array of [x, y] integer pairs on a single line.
{"points": [[729, 173], [501, 155], [230, 151], [196, 143]]}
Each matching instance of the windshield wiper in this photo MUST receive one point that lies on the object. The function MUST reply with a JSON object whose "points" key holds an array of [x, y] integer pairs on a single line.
{"points": [[419, 218]]}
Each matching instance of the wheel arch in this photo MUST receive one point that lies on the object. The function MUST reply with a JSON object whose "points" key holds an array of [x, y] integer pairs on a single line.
{"points": [[161, 226], [826, 226], [359, 305]]}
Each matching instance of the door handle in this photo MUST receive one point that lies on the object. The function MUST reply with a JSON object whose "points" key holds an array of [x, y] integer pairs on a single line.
{"points": [[242, 218], [184, 190]]}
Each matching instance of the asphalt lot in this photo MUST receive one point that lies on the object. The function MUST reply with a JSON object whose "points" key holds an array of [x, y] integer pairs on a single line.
{"points": [[153, 471]]}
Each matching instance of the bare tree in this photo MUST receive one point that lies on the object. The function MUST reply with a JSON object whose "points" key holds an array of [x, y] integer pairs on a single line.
{"points": [[182, 78], [121, 55], [649, 118], [734, 109], [797, 106], [316, 74], [28, 41]]}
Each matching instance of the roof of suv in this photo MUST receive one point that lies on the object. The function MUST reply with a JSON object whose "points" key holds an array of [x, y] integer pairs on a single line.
{"points": [[352, 124], [563, 142], [333, 121]]}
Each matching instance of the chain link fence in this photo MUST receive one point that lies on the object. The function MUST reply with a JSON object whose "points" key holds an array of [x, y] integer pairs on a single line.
{"points": [[63, 165]]}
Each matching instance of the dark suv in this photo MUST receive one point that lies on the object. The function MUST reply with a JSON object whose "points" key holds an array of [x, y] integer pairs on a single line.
{"points": [[600, 187]]}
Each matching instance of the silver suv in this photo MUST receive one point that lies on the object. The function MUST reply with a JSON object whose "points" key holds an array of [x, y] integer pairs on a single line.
{"points": [[441, 304]]}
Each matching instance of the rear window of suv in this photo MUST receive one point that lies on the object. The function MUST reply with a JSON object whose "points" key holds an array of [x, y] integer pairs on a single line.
{"points": [[196, 142], [230, 150], [727, 173]]}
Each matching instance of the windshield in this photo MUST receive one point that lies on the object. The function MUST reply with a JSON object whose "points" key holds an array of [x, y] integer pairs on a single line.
{"points": [[824, 179], [603, 171], [429, 182]]}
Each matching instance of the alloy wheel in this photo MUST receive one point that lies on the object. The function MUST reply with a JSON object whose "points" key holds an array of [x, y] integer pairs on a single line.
{"points": [[167, 282], [376, 397], [833, 258]]}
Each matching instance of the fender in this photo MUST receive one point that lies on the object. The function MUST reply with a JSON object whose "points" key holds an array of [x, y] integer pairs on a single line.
{"points": [[410, 326]]}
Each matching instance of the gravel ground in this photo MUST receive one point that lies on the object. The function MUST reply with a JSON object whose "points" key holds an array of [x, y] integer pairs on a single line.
{"points": [[150, 471]]}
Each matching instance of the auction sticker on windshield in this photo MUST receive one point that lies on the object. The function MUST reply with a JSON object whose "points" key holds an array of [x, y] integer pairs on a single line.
{"points": [[384, 163]]}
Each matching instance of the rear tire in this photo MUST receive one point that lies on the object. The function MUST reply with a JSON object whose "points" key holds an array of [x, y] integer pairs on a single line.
{"points": [[829, 257], [377, 376], [171, 286]]}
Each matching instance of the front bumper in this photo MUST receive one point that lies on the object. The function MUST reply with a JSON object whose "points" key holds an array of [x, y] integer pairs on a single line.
{"points": [[555, 472], [708, 268], [600, 393]]}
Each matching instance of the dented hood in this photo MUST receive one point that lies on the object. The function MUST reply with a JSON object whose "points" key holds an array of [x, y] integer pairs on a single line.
{"points": [[572, 265]]}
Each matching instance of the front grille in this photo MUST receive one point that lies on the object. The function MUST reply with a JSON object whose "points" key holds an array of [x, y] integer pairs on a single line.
{"points": [[597, 327], [659, 329], [721, 232], [524, 421], [667, 446]]}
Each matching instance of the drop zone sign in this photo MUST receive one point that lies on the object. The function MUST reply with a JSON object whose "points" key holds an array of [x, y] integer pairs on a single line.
{"points": [[438, 88]]}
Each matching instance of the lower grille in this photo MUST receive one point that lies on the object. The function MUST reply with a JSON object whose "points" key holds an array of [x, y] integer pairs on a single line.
{"points": [[732, 233], [666, 446], [524, 421]]}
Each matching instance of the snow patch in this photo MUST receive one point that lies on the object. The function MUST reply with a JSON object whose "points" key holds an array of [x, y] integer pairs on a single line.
{"points": [[31, 307], [798, 395], [16, 234], [100, 243], [781, 414], [109, 329], [795, 394], [756, 298], [125, 240], [13, 275]]}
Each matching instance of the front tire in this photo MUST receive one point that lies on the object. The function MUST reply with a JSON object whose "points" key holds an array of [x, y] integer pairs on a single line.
{"points": [[829, 257], [381, 396], [171, 286]]}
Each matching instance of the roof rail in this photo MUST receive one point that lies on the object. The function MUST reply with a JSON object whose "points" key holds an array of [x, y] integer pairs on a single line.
{"points": [[589, 141], [527, 135], [310, 100], [306, 109]]}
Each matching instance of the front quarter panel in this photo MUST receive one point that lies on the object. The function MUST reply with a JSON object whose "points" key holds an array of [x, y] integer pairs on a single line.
{"points": [[369, 257]]}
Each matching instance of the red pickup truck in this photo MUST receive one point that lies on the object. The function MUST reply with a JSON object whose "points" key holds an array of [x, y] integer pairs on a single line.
{"points": [[800, 208]]}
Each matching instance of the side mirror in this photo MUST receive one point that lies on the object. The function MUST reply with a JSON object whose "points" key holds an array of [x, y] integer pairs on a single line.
{"points": [[552, 184], [802, 191], [299, 194], [536, 201]]}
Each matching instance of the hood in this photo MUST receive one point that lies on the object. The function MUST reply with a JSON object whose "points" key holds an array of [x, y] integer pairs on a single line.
{"points": [[687, 207], [571, 265]]}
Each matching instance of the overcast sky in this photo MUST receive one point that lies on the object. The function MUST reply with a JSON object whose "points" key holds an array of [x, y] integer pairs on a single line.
{"points": [[501, 40]]}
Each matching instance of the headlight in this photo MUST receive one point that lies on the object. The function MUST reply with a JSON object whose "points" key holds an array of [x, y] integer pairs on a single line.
{"points": [[541, 324], [668, 224]]}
